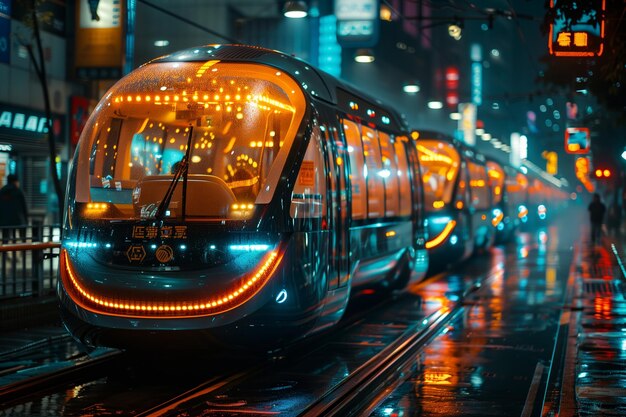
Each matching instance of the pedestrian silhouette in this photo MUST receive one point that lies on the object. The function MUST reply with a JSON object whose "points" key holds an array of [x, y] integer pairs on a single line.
{"points": [[13, 209], [596, 217]]}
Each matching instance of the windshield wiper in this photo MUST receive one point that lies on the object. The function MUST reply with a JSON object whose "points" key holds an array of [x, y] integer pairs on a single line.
{"points": [[182, 171]]}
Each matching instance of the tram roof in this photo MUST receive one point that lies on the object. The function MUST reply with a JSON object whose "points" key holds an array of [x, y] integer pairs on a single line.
{"points": [[314, 81], [460, 146]]}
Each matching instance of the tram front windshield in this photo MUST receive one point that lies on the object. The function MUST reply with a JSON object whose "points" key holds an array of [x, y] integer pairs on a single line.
{"points": [[440, 164], [230, 124]]}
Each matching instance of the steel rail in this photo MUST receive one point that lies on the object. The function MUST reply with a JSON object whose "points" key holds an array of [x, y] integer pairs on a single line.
{"points": [[363, 385], [370, 379], [219, 382], [11, 393]]}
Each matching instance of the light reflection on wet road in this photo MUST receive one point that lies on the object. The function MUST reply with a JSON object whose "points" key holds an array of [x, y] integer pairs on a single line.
{"points": [[495, 359]]}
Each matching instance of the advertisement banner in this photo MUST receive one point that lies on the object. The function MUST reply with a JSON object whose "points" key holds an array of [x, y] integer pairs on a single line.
{"points": [[467, 123], [79, 107], [99, 50]]}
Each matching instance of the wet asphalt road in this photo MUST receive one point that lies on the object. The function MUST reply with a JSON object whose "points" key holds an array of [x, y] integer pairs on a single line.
{"points": [[494, 359]]}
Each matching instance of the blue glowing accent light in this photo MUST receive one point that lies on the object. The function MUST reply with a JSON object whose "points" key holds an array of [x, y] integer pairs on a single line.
{"points": [[386, 120], [81, 245], [440, 220], [249, 248], [108, 245], [183, 247], [212, 247], [153, 246], [454, 239], [282, 296], [500, 227]]}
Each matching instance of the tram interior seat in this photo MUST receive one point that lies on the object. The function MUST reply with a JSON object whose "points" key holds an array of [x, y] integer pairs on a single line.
{"points": [[207, 195]]}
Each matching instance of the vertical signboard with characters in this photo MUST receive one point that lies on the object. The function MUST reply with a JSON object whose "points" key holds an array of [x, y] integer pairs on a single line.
{"points": [[579, 37], [99, 38], [5, 31], [467, 123]]}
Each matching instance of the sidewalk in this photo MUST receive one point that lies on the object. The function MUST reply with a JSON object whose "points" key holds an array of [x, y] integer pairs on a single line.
{"points": [[600, 366]]}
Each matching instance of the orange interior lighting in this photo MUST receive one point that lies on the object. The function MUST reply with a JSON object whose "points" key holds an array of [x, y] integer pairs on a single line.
{"points": [[573, 147], [459, 205], [438, 204], [438, 240], [598, 172], [124, 307], [607, 173]]}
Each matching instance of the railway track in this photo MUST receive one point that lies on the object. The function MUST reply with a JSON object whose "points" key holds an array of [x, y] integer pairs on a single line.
{"points": [[351, 393]]}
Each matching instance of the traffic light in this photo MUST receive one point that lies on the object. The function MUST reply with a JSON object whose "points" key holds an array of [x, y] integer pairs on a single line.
{"points": [[603, 173]]}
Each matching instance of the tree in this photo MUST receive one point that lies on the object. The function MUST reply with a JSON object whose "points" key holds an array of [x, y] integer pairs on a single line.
{"points": [[37, 59]]}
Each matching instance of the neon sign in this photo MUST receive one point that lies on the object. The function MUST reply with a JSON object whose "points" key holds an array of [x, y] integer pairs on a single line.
{"points": [[21, 121], [584, 37]]}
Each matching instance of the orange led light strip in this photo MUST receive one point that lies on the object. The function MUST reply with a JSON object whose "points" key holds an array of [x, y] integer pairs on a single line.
{"points": [[441, 236], [167, 309]]}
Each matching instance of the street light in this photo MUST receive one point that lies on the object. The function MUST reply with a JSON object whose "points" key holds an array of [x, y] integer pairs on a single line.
{"points": [[295, 9], [435, 105], [364, 56], [411, 87]]}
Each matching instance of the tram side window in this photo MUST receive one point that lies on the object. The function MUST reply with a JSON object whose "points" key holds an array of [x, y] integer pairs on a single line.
{"points": [[389, 174], [478, 186], [403, 176], [357, 178], [374, 169], [308, 199], [461, 192]]}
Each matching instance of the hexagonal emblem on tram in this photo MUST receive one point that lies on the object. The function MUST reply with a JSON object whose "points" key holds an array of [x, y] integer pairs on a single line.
{"points": [[135, 253]]}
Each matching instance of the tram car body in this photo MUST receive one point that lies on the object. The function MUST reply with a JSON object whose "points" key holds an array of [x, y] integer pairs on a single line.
{"points": [[546, 196], [509, 190], [458, 202], [234, 195]]}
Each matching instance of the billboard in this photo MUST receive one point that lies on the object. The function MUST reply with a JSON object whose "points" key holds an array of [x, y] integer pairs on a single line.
{"points": [[99, 52]]}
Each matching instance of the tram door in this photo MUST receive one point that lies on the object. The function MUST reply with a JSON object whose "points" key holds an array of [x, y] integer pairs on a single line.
{"points": [[336, 158]]}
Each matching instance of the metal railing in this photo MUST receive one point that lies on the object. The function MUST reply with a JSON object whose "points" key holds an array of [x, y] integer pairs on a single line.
{"points": [[29, 257]]}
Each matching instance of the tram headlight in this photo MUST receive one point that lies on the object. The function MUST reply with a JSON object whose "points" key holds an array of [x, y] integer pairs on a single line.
{"points": [[542, 211], [241, 210], [94, 210], [497, 216], [522, 212]]}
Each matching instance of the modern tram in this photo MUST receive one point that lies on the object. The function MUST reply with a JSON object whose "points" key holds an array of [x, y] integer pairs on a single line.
{"points": [[457, 199], [231, 195], [235, 195]]}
